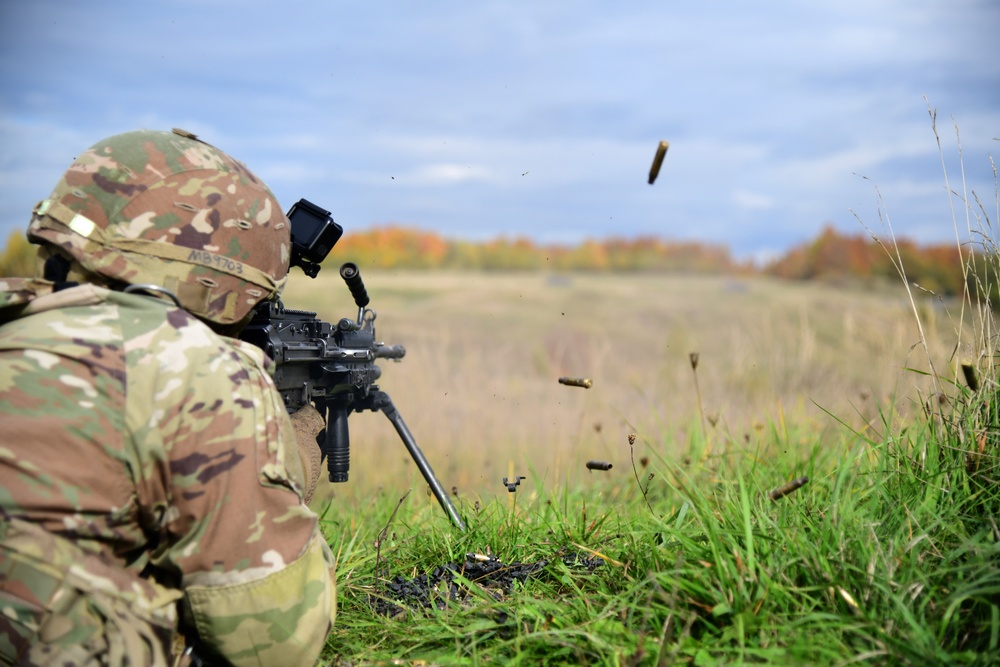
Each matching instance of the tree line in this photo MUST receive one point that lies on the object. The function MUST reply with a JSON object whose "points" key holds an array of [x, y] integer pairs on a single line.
{"points": [[944, 269], [395, 247]]}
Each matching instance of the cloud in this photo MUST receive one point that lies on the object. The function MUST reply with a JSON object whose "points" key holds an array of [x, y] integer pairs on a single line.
{"points": [[446, 174], [524, 117], [754, 201]]}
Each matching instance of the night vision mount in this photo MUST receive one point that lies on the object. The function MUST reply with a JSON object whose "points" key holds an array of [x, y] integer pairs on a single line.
{"points": [[314, 233]]}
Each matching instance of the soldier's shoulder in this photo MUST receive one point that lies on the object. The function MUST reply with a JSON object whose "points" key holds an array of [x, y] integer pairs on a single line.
{"points": [[171, 337], [16, 292]]}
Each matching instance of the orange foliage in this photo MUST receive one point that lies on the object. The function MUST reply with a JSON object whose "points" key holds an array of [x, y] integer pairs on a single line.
{"points": [[401, 247], [833, 256], [394, 247]]}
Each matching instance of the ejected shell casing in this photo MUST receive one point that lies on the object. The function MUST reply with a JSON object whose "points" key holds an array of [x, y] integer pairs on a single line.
{"points": [[969, 371], [785, 489], [598, 465], [661, 152], [586, 383]]}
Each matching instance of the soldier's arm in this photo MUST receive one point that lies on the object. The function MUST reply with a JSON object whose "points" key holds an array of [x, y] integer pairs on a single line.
{"points": [[255, 569]]}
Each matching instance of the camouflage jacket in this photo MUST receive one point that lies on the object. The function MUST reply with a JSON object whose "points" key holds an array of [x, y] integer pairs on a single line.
{"points": [[148, 473]]}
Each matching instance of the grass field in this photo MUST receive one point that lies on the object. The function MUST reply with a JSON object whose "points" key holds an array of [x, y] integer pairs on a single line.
{"points": [[479, 388], [889, 554]]}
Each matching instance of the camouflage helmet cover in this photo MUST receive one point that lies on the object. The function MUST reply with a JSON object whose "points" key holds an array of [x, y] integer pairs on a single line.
{"points": [[167, 209]]}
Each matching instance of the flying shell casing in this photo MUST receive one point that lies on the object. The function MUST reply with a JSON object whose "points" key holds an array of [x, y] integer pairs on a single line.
{"points": [[598, 465], [969, 371], [586, 383], [785, 489], [661, 152]]}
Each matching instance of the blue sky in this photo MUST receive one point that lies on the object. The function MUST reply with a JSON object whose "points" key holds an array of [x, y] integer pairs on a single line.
{"points": [[532, 118]]}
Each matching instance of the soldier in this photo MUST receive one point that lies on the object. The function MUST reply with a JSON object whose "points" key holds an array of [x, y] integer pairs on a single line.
{"points": [[152, 488]]}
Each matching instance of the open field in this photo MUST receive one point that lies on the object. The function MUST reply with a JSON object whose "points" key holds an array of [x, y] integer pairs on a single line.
{"points": [[479, 389], [888, 555]]}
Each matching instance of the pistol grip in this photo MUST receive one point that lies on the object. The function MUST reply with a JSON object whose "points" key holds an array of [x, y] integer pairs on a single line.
{"points": [[338, 444]]}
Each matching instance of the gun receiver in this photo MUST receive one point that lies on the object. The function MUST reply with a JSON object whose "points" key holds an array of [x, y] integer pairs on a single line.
{"points": [[333, 365]]}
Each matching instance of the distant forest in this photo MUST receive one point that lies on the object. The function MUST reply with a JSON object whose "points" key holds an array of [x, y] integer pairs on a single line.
{"points": [[942, 269], [831, 257]]}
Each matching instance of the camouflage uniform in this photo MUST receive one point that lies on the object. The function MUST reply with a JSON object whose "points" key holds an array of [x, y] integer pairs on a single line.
{"points": [[149, 478]]}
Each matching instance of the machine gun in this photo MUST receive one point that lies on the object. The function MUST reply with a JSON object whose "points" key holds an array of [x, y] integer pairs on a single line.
{"points": [[332, 365]]}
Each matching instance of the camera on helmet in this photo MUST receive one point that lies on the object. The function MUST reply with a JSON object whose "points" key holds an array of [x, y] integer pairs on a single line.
{"points": [[314, 233]]}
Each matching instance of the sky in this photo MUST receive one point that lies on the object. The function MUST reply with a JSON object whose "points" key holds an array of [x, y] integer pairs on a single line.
{"points": [[535, 118]]}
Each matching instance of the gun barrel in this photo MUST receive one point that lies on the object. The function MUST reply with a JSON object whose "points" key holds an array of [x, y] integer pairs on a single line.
{"points": [[390, 352]]}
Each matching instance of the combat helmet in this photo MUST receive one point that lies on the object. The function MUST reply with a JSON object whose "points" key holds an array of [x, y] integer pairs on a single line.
{"points": [[166, 209]]}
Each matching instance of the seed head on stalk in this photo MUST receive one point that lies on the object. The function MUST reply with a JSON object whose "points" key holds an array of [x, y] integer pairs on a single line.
{"points": [[693, 358]]}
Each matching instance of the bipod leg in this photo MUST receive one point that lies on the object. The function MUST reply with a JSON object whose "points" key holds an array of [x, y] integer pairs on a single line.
{"points": [[384, 403]]}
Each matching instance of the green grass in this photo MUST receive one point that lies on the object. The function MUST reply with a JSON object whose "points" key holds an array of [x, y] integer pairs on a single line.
{"points": [[890, 554]]}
